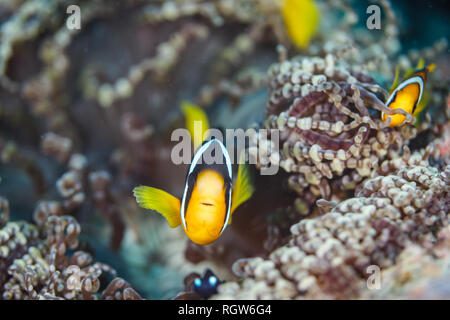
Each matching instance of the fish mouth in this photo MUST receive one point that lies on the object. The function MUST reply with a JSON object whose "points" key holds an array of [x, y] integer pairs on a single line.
{"points": [[207, 204]]}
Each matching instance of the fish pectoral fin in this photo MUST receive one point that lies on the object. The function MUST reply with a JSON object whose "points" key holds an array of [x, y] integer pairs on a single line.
{"points": [[426, 97], [243, 188], [195, 114], [164, 203]]}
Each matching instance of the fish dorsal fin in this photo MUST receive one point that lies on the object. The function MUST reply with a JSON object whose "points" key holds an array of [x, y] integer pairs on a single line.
{"points": [[419, 67], [420, 64], [419, 70], [164, 203], [395, 82], [410, 73], [197, 122], [243, 188], [425, 98]]}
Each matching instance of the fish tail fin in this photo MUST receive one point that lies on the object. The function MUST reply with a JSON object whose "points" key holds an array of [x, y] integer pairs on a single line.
{"points": [[164, 203], [197, 122], [431, 67], [243, 188]]}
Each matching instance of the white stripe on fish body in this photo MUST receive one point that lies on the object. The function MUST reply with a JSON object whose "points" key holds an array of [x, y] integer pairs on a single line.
{"points": [[228, 210], [228, 163], [194, 163], [415, 79], [198, 154], [183, 220]]}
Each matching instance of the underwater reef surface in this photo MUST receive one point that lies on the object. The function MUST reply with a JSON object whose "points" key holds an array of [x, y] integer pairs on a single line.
{"points": [[87, 114], [327, 257]]}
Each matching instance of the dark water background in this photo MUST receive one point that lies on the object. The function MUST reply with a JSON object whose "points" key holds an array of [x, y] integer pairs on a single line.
{"points": [[421, 23]]}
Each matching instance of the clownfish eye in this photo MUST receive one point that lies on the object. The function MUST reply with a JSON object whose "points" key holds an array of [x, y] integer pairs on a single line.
{"points": [[197, 282], [212, 280]]}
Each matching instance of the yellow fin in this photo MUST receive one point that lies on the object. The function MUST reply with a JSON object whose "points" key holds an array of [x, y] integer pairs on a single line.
{"points": [[423, 102], [243, 188], [195, 114], [395, 82], [420, 64], [301, 18], [421, 106], [426, 97], [431, 67], [155, 199]]}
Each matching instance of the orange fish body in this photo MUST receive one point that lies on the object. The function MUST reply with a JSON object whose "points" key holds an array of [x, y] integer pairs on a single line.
{"points": [[206, 202], [206, 209], [407, 96]]}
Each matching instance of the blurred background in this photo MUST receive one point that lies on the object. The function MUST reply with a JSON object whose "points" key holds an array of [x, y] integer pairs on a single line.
{"points": [[86, 115]]}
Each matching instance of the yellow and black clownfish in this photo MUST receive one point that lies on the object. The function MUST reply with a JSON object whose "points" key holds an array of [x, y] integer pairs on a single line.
{"points": [[209, 197], [407, 96]]}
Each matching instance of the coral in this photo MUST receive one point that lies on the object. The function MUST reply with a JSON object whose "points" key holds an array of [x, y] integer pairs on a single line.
{"points": [[331, 136], [418, 273], [72, 186], [105, 126], [327, 110], [327, 257], [87, 114], [165, 59], [57, 146], [18, 29], [103, 199], [10, 153], [35, 263]]}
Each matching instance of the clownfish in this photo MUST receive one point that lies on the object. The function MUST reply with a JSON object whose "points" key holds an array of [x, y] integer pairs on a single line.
{"points": [[209, 197], [407, 95]]}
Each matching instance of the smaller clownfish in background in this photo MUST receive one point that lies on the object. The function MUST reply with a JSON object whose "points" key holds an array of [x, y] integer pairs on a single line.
{"points": [[408, 95], [209, 197]]}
